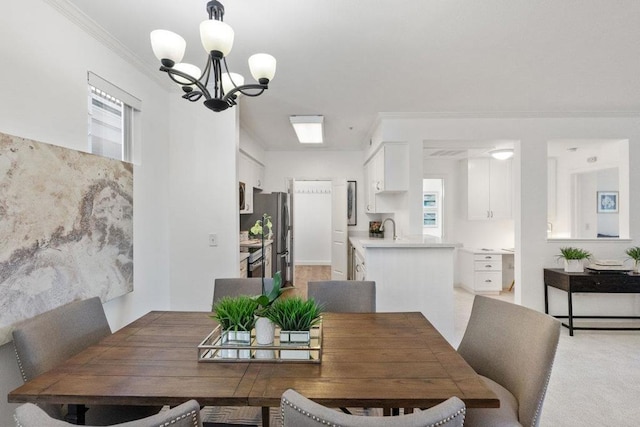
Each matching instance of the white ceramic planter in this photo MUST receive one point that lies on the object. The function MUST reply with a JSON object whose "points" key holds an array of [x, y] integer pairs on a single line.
{"points": [[573, 266], [265, 331], [236, 338], [295, 338]]}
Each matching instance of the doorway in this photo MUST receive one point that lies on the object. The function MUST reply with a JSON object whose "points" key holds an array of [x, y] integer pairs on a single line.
{"points": [[312, 222]]}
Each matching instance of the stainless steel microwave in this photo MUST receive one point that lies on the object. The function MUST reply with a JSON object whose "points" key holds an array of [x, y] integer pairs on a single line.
{"points": [[242, 199]]}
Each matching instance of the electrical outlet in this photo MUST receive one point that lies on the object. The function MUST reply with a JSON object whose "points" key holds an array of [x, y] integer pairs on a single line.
{"points": [[213, 239]]}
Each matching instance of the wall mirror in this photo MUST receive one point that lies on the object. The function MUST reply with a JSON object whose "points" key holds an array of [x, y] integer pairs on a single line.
{"points": [[588, 189]]}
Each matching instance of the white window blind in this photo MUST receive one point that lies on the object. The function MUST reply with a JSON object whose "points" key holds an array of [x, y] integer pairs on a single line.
{"points": [[112, 127]]}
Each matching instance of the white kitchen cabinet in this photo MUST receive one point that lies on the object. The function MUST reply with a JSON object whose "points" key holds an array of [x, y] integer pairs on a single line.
{"points": [[370, 193], [480, 271], [250, 172], [386, 172], [490, 189], [248, 199], [258, 175], [360, 269], [243, 268]]}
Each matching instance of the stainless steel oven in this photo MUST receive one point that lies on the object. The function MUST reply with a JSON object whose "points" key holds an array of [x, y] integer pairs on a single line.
{"points": [[256, 263]]}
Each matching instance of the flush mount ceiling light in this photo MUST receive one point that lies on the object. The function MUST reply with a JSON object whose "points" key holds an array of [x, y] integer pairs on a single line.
{"points": [[308, 128], [502, 153], [217, 40]]}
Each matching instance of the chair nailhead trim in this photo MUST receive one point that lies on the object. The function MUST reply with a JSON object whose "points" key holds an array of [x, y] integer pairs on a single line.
{"points": [[544, 392], [24, 376], [461, 412], [182, 417]]}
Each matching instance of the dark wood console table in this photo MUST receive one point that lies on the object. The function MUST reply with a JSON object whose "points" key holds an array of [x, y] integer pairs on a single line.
{"points": [[616, 283]]}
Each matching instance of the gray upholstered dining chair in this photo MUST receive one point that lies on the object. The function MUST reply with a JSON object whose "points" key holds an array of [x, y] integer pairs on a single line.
{"points": [[185, 415], [231, 287], [344, 296], [298, 411], [50, 338], [512, 348]]}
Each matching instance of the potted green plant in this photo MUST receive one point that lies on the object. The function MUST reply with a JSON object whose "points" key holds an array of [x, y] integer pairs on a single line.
{"points": [[265, 328], [236, 316], [634, 254], [295, 317], [573, 259]]}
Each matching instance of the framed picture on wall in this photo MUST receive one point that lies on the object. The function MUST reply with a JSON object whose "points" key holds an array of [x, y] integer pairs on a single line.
{"points": [[430, 199], [352, 203], [430, 219], [607, 201]]}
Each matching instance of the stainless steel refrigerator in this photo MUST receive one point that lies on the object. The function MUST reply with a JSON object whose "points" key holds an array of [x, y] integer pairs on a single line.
{"points": [[277, 205]]}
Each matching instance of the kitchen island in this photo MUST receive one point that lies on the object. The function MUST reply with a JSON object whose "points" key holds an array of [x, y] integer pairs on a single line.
{"points": [[411, 274]]}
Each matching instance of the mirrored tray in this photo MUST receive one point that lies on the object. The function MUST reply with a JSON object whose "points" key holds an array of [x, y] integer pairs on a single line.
{"points": [[214, 349]]}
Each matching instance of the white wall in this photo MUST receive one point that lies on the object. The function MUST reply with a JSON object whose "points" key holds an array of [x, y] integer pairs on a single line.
{"points": [[250, 144], [321, 165], [312, 222], [44, 97], [204, 199], [533, 251], [185, 186]]}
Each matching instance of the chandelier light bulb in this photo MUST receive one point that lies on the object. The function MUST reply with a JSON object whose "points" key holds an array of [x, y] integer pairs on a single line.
{"points": [[228, 85], [167, 46], [263, 67], [189, 69], [216, 37]]}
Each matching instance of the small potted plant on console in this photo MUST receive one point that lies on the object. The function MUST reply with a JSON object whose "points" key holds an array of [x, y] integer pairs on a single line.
{"points": [[573, 259], [634, 254]]}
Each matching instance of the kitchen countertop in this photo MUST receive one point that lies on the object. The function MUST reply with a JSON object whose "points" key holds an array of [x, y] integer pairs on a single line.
{"points": [[254, 243], [500, 251], [243, 256], [404, 242]]}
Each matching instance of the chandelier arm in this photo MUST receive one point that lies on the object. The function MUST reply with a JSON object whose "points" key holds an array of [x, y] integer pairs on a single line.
{"points": [[171, 72], [217, 79], [192, 96], [242, 89]]}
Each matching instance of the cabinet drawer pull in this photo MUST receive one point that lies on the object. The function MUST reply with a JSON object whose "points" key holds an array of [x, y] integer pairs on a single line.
{"points": [[488, 266], [487, 281]]}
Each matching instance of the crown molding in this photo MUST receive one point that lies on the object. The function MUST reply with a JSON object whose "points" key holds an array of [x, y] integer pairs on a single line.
{"points": [[91, 27], [509, 115]]}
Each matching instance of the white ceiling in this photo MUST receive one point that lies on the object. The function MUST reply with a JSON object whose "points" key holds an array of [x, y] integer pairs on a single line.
{"points": [[352, 59]]}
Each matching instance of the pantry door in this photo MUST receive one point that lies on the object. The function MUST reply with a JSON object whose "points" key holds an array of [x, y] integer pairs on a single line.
{"points": [[339, 235]]}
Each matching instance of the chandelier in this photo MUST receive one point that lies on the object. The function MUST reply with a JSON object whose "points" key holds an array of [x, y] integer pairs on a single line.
{"points": [[217, 40]]}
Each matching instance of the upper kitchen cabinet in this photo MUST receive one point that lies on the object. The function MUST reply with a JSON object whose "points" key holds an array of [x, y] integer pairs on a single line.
{"points": [[251, 172], [490, 191], [387, 171]]}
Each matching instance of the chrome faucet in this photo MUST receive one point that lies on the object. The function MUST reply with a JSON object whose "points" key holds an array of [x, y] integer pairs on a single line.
{"points": [[395, 237]]}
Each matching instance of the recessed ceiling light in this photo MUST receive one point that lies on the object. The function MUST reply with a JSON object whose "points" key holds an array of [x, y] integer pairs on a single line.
{"points": [[308, 128], [502, 153]]}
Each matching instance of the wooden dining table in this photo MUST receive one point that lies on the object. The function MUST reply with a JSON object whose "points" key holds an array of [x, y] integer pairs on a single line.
{"points": [[374, 360]]}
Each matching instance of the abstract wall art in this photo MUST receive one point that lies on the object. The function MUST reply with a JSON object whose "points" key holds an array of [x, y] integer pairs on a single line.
{"points": [[66, 228]]}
